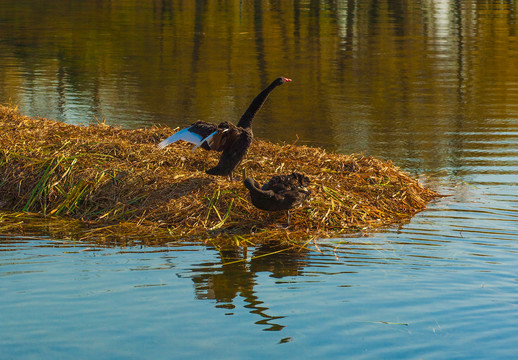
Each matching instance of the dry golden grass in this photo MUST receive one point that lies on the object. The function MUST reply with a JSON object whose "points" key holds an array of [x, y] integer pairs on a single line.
{"points": [[118, 183]]}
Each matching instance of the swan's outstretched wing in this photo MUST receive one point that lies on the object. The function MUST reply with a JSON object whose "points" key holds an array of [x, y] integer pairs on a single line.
{"points": [[193, 134], [217, 140], [185, 135], [208, 140]]}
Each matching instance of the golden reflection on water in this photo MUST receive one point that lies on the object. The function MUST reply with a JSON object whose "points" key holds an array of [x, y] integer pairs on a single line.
{"points": [[389, 78]]}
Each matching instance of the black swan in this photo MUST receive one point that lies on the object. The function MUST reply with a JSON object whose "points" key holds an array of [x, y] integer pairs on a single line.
{"points": [[282, 192], [232, 140]]}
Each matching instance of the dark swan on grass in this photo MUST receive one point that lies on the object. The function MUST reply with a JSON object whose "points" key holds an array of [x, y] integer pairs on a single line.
{"points": [[232, 140], [281, 193]]}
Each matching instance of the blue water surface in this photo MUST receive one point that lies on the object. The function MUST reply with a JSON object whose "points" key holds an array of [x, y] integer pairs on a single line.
{"points": [[442, 286], [429, 85]]}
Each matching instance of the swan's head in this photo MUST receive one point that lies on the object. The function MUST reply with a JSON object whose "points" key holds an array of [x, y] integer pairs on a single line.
{"points": [[282, 80]]}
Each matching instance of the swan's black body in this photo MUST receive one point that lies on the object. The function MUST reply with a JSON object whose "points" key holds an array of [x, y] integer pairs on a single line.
{"points": [[232, 140], [282, 192]]}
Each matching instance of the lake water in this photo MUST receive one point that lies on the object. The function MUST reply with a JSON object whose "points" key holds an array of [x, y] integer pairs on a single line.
{"points": [[430, 85]]}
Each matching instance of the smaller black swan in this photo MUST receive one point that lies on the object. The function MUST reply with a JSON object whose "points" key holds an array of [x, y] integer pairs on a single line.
{"points": [[282, 192], [232, 140]]}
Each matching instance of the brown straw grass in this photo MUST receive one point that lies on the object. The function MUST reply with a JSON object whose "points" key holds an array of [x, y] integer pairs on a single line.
{"points": [[117, 182]]}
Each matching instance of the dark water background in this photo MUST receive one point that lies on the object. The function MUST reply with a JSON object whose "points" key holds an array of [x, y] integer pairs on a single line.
{"points": [[430, 85]]}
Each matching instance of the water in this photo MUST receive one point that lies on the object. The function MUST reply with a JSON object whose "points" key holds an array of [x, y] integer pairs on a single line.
{"points": [[430, 85]]}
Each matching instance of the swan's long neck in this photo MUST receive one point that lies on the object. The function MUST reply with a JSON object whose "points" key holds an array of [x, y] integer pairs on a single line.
{"points": [[248, 116], [253, 186]]}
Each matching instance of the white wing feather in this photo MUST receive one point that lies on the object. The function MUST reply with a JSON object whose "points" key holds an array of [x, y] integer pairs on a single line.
{"points": [[207, 139], [184, 135]]}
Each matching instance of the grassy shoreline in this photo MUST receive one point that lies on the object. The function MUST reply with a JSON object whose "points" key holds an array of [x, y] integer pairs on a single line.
{"points": [[105, 177]]}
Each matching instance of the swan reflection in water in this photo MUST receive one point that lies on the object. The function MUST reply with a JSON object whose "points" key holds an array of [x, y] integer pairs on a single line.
{"points": [[226, 282]]}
